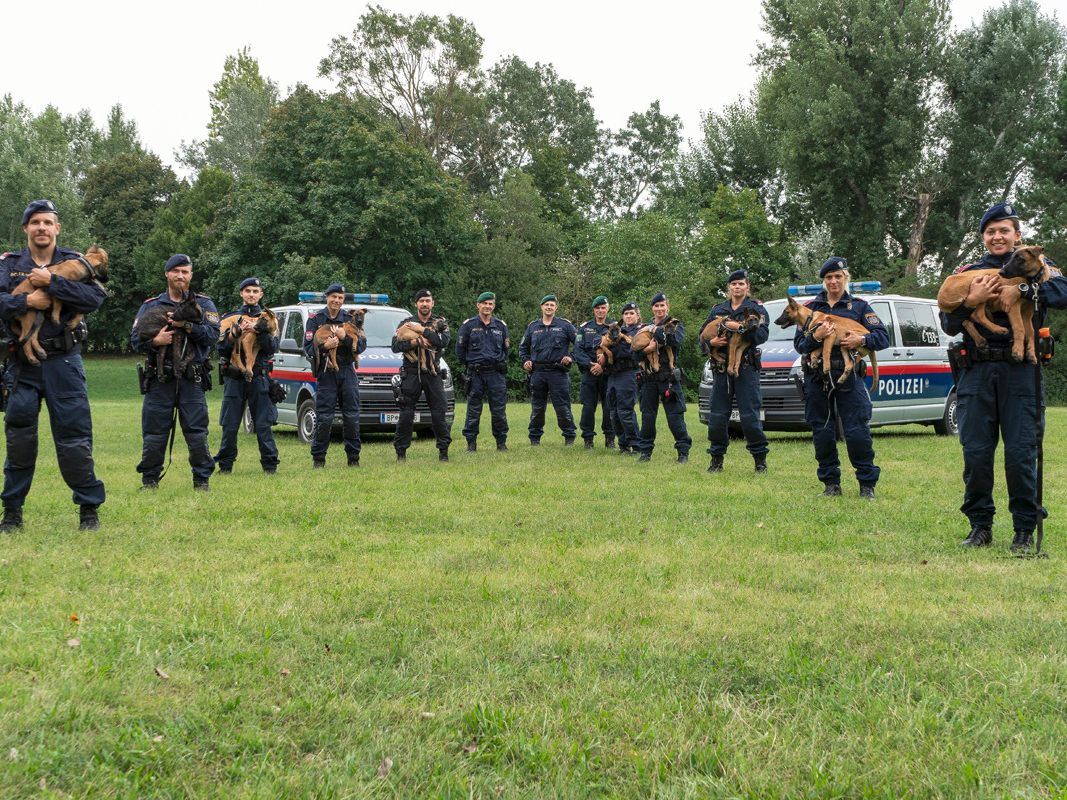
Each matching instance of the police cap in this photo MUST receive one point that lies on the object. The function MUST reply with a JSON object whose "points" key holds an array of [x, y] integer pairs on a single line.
{"points": [[630, 306], [178, 260], [659, 297], [39, 207], [251, 282], [833, 264], [996, 213], [484, 296], [421, 293], [600, 300], [335, 288], [548, 298], [737, 275]]}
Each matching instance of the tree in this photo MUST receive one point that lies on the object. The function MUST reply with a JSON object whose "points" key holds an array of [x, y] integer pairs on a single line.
{"points": [[123, 198], [847, 94], [241, 101], [640, 160], [422, 72]]}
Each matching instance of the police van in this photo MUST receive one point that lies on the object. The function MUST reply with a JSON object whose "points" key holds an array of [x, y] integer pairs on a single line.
{"points": [[914, 378], [378, 371]]}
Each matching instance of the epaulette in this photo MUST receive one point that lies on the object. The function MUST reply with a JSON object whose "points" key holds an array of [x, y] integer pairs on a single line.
{"points": [[206, 297], [468, 319], [965, 267], [564, 319], [8, 254], [149, 299]]}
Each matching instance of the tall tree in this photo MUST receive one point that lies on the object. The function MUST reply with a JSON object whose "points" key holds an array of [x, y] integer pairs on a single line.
{"points": [[241, 101], [640, 160]]}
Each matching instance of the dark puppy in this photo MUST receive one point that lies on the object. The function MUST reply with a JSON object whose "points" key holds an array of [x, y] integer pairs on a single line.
{"points": [[188, 312]]}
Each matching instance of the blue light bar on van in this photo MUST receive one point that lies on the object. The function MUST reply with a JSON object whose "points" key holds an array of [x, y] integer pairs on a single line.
{"points": [[350, 297], [856, 287]]}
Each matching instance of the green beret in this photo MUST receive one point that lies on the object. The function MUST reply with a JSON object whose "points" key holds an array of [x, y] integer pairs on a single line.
{"points": [[486, 296], [548, 297], [600, 300]]}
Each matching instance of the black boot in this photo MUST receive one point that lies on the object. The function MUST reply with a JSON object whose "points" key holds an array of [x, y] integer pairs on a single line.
{"points": [[980, 536], [318, 463], [867, 492], [353, 461], [716, 464], [588, 444], [609, 442], [12, 520], [683, 458], [200, 485], [1022, 542], [401, 455], [502, 447], [442, 455], [832, 490], [761, 463], [472, 445], [88, 518]]}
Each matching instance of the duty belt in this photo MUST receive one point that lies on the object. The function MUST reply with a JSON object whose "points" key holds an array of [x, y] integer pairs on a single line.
{"points": [[550, 365], [479, 368], [990, 354]]}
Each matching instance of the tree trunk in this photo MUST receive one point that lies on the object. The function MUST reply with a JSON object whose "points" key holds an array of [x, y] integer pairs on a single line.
{"points": [[915, 243]]}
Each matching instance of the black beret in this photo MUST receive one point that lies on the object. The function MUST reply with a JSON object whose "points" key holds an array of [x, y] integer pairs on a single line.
{"points": [[335, 288], [659, 297], [421, 293], [250, 282], [995, 214], [630, 306], [737, 275], [178, 260], [833, 264], [37, 207]]}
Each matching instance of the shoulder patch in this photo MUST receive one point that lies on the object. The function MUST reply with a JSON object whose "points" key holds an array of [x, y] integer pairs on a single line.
{"points": [[7, 254], [309, 336], [871, 318], [212, 316]]}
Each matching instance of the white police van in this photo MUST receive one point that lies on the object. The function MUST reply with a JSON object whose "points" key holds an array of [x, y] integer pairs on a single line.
{"points": [[914, 379], [378, 371]]}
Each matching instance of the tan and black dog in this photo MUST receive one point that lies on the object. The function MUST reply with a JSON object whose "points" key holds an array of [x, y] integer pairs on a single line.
{"points": [[185, 314], [806, 319], [354, 328], [1026, 265], [605, 355], [643, 342], [730, 353], [90, 268], [246, 348], [423, 353]]}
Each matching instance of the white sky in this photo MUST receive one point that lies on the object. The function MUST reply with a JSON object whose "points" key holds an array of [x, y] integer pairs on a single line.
{"points": [[159, 60]]}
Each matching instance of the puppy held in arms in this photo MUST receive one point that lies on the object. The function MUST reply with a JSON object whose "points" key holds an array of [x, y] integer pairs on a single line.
{"points": [[90, 268], [644, 341], [185, 314], [736, 344], [246, 348], [806, 319], [353, 328], [422, 354]]}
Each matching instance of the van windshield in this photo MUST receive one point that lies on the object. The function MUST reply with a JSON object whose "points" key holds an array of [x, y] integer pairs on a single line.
{"points": [[778, 334], [380, 325]]}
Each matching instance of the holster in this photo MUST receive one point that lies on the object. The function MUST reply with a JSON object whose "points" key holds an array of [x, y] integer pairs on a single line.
{"points": [[959, 358], [142, 378], [7, 381]]}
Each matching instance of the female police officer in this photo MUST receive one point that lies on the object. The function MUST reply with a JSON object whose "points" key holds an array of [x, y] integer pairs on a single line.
{"points": [[850, 398], [997, 397]]}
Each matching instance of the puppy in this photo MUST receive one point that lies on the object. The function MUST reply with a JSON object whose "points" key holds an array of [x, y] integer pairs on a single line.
{"points": [[423, 353], [643, 342], [246, 348], [730, 353], [354, 328], [90, 268], [806, 319], [605, 354], [185, 314], [1026, 265]]}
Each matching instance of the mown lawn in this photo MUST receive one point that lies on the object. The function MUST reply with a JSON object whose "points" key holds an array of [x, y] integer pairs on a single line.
{"points": [[542, 623]]}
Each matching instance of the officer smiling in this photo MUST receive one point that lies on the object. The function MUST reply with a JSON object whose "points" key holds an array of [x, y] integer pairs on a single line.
{"points": [[59, 380]]}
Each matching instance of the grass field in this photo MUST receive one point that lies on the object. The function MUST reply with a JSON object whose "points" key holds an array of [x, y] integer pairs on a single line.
{"points": [[543, 623]]}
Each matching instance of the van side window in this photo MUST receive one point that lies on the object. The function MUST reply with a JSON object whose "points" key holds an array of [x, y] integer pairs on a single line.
{"points": [[294, 328], [881, 308], [917, 325]]}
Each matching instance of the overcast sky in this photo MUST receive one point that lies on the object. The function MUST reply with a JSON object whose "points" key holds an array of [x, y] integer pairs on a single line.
{"points": [[159, 60]]}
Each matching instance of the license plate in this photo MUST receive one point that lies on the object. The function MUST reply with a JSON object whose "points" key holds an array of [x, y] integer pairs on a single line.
{"points": [[393, 419], [735, 415]]}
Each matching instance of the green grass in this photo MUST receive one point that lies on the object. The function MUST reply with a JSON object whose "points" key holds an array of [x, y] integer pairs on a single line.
{"points": [[541, 623]]}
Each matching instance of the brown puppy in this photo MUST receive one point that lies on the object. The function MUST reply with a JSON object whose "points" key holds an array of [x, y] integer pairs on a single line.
{"points": [[243, 355], [643, 341], [806, 319], [729, 354], [422, 354], [354, 328], [185, 314], [1025, 266], [92, 267]]}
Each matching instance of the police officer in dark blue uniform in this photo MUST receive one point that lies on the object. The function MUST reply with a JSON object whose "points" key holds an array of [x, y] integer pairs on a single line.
{"points": [[60, 378], [416, 381], [622, 384], [997, 397], [849, 400], [593, 390], [663, 386], [545, 353], [338, 387], [237, 392], [745, 387], [482, 345], [183, 392]]}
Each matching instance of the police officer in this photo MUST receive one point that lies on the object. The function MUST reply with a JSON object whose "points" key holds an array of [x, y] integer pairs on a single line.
{"points": [[593, 390], [338, 387], [59, 379], [826, 401], [238, 392], [997, 397], [416, 381], [482, 346], [622, 383], [664, 385], [545, 353], [745, 387], [183, 392]]}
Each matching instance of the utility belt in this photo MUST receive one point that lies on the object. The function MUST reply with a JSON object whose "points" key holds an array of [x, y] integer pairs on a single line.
{"points": [[197, 371], [550, 366], [478, 369], [226, 370], [752, 357], [623, 365], [664, 376], [66, 341]]}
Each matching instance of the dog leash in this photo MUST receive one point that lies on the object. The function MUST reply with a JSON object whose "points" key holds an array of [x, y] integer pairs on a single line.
{"points": [[174, 414]]}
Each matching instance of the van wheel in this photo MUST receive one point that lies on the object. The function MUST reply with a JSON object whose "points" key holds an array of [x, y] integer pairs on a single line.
{"points": [[949, 424], [305, 421]]}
